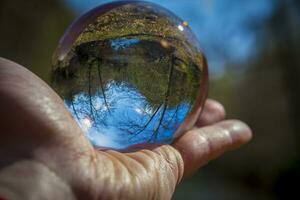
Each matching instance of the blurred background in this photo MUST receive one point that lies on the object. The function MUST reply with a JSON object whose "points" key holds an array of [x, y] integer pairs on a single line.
{"points": [[253, 51]]}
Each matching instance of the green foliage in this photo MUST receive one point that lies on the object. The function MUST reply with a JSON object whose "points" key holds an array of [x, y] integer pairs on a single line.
{"points": [[146, 67]]}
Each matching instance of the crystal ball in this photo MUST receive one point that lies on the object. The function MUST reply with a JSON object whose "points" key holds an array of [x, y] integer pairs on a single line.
{"points": [[131, 73]]}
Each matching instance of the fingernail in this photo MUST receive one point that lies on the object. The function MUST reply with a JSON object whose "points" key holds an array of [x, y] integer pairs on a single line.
{"points": [[239, 131]]}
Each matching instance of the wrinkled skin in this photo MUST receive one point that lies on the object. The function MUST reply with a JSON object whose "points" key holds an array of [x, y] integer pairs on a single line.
{"points": [[44, 154]]}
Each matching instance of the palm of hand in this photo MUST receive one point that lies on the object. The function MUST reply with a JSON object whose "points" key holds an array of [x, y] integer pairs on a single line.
{"points": [[39, 136]]}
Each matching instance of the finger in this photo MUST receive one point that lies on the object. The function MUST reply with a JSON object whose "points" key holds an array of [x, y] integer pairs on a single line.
{"points": [[167, 164], [199, 146], [213, 112]]}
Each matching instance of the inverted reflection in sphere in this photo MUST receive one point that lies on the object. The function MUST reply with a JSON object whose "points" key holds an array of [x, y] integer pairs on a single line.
{"points": [[130, 73]]}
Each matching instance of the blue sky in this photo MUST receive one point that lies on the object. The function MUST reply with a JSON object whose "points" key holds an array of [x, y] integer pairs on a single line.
{"points": [[127, 111], [224, 27]]}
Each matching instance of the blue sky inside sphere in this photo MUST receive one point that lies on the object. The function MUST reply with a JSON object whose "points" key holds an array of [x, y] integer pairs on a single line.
{"points": [[223, 27]]}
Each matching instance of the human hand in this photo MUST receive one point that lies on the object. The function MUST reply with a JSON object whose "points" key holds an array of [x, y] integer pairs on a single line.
{"points": [[45, 155]]}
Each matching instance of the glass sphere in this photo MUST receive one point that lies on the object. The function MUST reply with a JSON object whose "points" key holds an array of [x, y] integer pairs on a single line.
{"points": [[130, 73]]}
